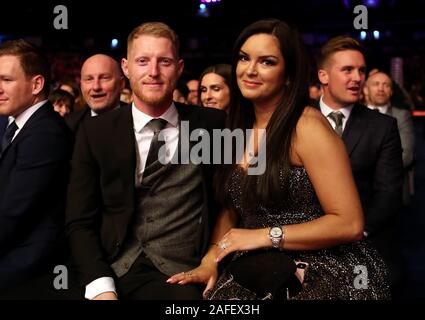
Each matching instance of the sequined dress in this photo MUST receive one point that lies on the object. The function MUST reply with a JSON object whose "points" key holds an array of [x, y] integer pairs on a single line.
{"points": [[349, 271]]}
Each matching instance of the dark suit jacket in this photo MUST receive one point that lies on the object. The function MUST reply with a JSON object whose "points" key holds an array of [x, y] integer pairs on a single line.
{"points": [[33, 178], [101, 194], [3, 125], [74, 119], [373, 145]]}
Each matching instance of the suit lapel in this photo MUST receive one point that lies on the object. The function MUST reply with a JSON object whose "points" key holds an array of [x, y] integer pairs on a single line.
{"points": [[354, 128], [3, 124], [124, 142], [42, 111]]}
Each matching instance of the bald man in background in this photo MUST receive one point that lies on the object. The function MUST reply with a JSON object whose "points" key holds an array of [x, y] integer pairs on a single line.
{"points": [[101, 84]]}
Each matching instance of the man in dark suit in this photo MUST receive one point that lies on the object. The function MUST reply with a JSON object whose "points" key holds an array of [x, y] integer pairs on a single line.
{"points": [[372, 141], [101, 84], [133, 219], [34, 166], [379, 90]]}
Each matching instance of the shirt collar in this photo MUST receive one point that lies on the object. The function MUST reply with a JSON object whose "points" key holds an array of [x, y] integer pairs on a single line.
{"points": [[23, 117], [141, 119], [326, 110], [95, 114], [382, 109]]}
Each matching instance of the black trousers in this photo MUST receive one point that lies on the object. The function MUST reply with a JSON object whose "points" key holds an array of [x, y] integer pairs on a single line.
{"points": [[145, 282], [142, 282]]}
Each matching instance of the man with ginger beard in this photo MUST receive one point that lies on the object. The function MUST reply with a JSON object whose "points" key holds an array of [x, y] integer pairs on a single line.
{"points": [[101, 84], [134, 220], [372, 141]]}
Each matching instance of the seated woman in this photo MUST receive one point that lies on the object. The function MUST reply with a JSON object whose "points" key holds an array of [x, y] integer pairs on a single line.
{"points": [[214, 87], [63, 101], [306, 203]]}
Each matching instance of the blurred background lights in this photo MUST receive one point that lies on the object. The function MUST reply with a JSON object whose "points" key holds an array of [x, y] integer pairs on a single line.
{"points": [[114, 43], [376, 34]]}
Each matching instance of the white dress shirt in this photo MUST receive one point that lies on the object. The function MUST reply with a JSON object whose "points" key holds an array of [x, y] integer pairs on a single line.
{"points": [[23, 117], [326, 111], [381, 109], [143, 136]]}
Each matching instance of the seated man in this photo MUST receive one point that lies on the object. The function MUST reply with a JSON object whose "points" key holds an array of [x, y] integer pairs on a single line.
{"points": [[34, 158]]}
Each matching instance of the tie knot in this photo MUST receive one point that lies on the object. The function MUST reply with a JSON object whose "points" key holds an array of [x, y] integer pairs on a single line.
{"points": [[336, 116], [10, 130], [157, 124], [8, 136]]}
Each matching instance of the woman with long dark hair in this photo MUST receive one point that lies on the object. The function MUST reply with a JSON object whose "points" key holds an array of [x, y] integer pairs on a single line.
{"points": [[305, 205], [214, 87]]}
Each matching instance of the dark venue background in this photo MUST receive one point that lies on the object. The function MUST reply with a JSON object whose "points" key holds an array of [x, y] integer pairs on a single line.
{"points": [[206, 40]]}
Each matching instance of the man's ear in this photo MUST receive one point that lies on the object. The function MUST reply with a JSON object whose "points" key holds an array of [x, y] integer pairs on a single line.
{"points": [[180, 66], [37, 84], [323, 76], [124, 67]]}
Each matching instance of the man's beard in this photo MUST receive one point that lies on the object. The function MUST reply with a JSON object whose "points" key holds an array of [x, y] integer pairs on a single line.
{"points": [[154, 99]]}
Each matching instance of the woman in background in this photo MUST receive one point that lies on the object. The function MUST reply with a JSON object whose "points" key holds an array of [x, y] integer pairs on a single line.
{"points": [[214, 87]]}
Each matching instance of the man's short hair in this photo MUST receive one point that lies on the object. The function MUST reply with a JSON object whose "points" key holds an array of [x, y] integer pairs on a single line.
{"points": [[155, 29], [340, 43], [33, 62]]}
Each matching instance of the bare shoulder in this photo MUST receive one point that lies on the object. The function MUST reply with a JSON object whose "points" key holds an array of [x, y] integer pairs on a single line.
{"points": [[315, 139], [312, 123]]}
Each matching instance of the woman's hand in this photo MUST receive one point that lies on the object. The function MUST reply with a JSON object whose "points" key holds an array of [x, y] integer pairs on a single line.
{"points": [[206, 273], [243, 239]]}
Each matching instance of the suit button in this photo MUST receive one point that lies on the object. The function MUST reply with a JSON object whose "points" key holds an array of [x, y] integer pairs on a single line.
{"points": [[118, 244]]}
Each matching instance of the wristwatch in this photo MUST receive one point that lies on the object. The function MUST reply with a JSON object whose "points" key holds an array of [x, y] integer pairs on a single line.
{"points": [[276, 236]]}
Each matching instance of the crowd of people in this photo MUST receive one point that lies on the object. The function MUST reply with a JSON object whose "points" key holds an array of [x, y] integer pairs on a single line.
{"points": [[93, 177]]}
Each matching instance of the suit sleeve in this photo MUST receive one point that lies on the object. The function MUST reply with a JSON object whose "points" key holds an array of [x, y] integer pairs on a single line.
{"points": [[407, 136], [83, 213], [388, 181], [42, 158]]}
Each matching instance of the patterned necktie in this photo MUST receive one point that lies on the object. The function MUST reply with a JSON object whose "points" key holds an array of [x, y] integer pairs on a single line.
{"points": [[8, 135], [337, 116], [156, 125]]}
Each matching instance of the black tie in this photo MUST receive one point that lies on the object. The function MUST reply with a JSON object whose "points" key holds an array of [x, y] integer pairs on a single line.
{"points": [[156, 125], [8, 135], [337, 116]]}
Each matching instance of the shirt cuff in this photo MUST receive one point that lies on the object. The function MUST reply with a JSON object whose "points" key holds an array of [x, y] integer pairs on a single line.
{"points": [[98, 286]]}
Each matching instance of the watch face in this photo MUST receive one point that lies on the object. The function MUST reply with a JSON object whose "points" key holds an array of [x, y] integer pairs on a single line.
{"points": [[276, 232]]}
